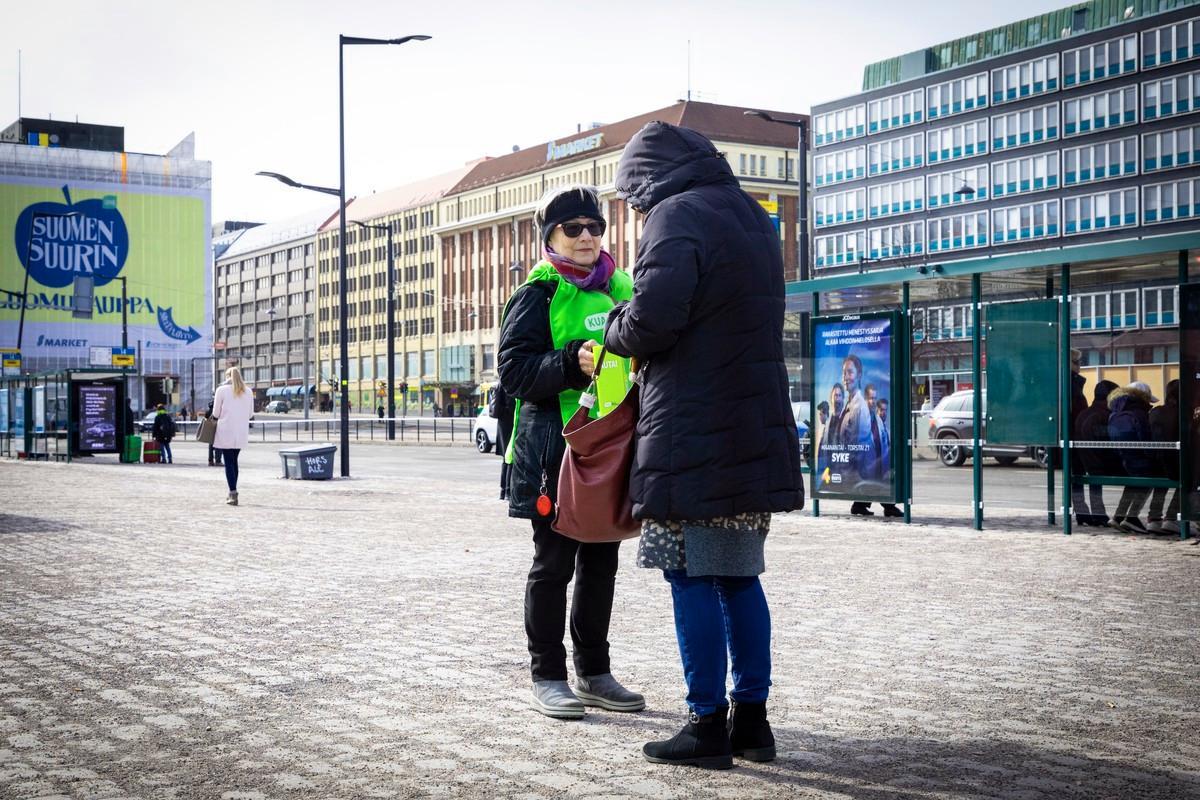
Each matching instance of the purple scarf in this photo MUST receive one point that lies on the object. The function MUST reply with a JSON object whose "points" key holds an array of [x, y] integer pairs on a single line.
{"points": [[589, 279]]}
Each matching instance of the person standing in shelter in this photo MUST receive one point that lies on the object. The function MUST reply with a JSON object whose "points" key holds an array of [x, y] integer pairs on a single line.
{"points": [[1079, 404], [1092, 426], [1164, 427], [233, 405], [545, 359], [717, 451], [163, 431], [1129, 421]]}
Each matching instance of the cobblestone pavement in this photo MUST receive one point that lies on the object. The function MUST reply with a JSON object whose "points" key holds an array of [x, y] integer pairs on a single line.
{"points": [[364, 638]]}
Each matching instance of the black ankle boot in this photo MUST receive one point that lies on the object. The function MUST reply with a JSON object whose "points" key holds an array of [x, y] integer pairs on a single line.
{"points": [[703, 742], [750, 734]]}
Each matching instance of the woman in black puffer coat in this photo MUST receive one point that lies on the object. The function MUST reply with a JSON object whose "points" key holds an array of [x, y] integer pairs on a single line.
{"points": [[717, 451], [1092, 426]]}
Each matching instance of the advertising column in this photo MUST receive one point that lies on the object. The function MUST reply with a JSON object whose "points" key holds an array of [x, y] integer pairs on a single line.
{"points": [[854, 374]]}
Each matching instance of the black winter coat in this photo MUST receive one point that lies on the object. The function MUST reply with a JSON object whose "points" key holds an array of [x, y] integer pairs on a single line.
{"points": [[1129, 421], [716, 436], [163, 429], [1164, 427], [534, 372], [1092, 426]]}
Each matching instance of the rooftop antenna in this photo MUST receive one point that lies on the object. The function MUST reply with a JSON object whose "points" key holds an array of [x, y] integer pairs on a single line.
{"points": [[18, 84], [689, 75]]}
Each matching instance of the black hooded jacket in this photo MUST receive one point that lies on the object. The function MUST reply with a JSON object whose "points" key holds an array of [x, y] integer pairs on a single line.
{"points": [[716, 436]]}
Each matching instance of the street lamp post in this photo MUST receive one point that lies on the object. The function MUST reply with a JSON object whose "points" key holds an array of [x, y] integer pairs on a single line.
{"points": [[340, 192], [270, 347], [801, 126], [391, 326]]}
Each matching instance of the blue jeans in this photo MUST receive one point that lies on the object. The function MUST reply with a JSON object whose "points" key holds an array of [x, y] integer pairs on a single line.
{"points": [[167, 458], [715, 615]]}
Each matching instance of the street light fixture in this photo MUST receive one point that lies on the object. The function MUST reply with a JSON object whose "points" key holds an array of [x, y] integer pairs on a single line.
{"points": [[344, 351], [391, 325]]}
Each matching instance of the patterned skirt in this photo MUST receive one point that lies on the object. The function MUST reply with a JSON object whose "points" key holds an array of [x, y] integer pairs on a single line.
{"points": [[729, 546]]}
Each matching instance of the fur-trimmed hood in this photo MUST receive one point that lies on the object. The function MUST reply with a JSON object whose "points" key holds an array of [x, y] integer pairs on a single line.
{"points": [[1132, 394]]}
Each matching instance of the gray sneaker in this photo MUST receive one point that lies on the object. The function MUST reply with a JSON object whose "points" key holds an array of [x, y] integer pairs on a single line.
{"points": [[603, 691], [555, 699]]}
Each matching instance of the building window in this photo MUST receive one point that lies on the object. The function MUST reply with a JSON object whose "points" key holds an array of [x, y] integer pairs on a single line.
{"points": [[839, 208], [896, 111], [1097, 62], [840, 125], [839, 249], [428, 365], [1098, 162], [1020, 128], [957, 141], [894, 155], [895, 241], [958, 232], [901, 197], [957, 96], [1029, 78], [1100, 111], [1170, 97], [1023, 175], [844, 165], [1094, 212], [489, 357], [1025, 222], [1167, 202], [1169, 149], [741, 164], [1160, 306], [950, 188], [1170, 44]]}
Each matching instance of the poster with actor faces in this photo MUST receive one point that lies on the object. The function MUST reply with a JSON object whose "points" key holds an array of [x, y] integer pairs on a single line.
{"points": [[852, 367]]}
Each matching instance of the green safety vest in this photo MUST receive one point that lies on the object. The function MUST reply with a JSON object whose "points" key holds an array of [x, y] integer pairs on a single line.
{"points": [[574, 314]]}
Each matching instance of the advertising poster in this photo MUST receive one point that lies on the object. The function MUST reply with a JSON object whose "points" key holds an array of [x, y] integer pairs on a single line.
{"points": [[853, 362], [158, 240], [98, 419]]}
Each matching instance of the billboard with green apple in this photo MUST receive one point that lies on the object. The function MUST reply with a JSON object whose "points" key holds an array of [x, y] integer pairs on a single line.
{"points": [[157, 240]]}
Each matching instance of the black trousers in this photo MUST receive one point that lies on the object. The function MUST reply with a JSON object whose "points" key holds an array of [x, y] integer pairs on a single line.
{"points": [[555, 560]]}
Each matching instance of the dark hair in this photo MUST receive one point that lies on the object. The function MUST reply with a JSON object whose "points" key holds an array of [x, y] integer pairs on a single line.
{"points": [[823, 406], [870, 387], [854, 360], [1103, 390]]}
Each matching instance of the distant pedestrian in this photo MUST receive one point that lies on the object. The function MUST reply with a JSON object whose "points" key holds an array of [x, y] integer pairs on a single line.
{"points": [[1092, 426], [1079, 405], [717, 449], [1129, 421], [233, 406], [163, 432], [379, 411], [1164, 427], [214, 455]]}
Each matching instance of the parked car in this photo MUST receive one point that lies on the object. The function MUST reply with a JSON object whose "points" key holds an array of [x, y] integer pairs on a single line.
{"points": [[952, 420], [277, 407], [146, 423], [484, 432]]}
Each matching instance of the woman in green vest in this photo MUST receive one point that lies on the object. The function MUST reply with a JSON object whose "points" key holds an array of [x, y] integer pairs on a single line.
{"points": [[545, 359]]}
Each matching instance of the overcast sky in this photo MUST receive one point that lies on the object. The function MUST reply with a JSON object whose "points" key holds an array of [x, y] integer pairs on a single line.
{"points": [[257, 81]]}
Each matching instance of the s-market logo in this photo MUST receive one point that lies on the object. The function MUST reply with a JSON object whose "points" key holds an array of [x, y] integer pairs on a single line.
{"points": [[57, 242], [50, 341]]}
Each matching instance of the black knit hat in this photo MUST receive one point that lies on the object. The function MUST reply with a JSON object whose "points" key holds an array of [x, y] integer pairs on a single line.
{"points": [[565, 203]]}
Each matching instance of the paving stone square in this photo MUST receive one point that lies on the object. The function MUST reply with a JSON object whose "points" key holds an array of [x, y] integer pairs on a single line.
{"points": [[364, 638]]}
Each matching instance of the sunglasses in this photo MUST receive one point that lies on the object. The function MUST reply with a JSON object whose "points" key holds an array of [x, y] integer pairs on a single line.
{"points": [[574, 229]]}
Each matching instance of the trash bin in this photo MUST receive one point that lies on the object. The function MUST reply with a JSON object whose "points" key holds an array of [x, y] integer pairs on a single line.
{"points": [[313, 462], [132, 452]]}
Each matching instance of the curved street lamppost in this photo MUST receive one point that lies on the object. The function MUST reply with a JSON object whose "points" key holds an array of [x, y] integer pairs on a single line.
{"points": [[344, 351]]}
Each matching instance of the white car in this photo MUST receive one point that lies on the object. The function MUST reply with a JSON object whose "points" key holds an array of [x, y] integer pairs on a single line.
{"points": [[484, 432]]}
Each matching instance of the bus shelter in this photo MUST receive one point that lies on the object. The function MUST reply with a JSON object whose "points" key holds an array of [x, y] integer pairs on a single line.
{"points": [[63, 415], [1009, 343]]}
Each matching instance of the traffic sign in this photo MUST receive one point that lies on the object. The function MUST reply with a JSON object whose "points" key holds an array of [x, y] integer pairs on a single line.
{"points": [[123, 356], [12, 362]]}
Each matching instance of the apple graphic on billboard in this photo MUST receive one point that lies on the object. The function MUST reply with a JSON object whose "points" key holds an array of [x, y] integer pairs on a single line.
{"points": [[56, 242]]}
